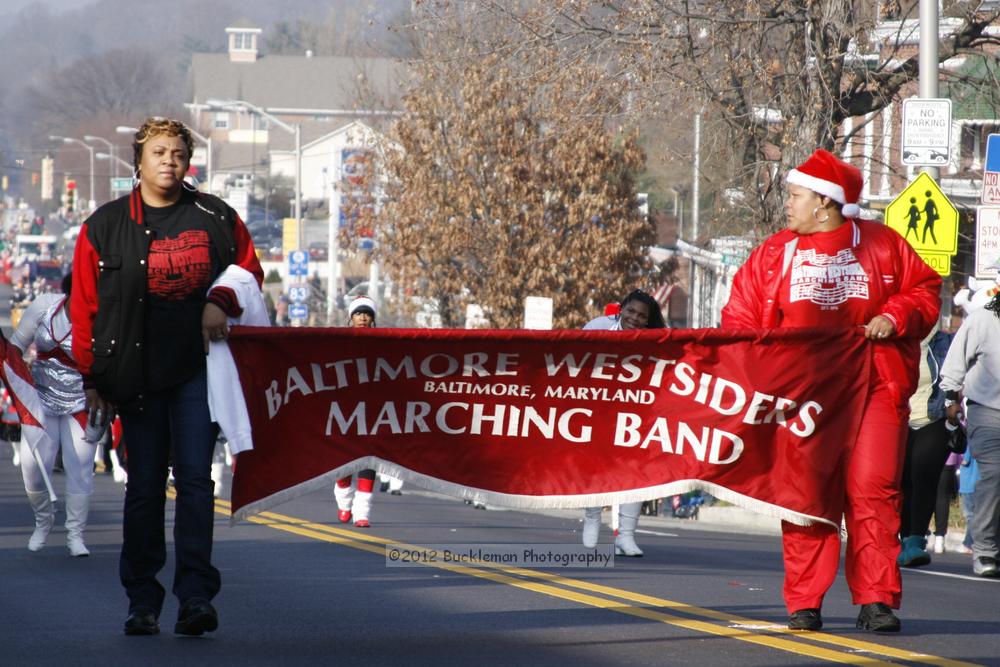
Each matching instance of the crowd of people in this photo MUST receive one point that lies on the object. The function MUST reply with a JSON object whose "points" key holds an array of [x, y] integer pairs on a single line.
{"points": [[127, 339]]}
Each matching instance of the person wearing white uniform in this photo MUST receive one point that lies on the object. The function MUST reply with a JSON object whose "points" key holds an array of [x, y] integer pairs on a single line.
{"points": [[638, 311], [60, 387], [354, 501]]}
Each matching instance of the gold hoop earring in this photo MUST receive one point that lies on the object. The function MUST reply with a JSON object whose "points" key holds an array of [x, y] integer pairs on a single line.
{"points": [[816, 217]]}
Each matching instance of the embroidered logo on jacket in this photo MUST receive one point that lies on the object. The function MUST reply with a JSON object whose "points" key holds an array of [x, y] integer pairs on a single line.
{"points": [[825, 280]]}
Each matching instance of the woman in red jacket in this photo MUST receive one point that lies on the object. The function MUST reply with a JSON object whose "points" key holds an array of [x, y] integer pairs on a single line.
{"points": [[143, 315], [829, 269]]}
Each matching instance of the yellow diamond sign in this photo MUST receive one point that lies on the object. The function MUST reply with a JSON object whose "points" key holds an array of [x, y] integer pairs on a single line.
{"points": [[927, 220]]}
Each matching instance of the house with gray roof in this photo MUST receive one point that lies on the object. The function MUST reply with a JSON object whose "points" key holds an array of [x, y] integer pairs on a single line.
{"points": [[319, 93]]}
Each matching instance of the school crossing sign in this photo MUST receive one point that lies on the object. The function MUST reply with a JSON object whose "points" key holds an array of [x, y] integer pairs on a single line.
{"points": [[927, 220]]}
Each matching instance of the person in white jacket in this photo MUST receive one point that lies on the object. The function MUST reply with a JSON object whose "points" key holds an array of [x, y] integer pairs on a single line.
{"points": [[638, 311], [60, 387]]}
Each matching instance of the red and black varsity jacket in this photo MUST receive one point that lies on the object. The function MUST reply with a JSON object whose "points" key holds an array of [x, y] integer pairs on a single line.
{"points": [[108, 301]]}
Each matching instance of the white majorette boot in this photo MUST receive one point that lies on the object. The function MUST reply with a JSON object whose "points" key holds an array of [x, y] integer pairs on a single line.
{"points": [[591, 526], [77, 509], [362, 508], [395, 486], [45, 517], [625, 545], [939, 544], [344, 496]]}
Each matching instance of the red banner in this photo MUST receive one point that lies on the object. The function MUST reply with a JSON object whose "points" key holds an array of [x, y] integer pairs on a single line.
{"points": [[555, 419]]}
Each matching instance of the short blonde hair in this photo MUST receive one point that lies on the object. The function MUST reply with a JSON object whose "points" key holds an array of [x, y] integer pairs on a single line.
{"points": [[154, 127]]}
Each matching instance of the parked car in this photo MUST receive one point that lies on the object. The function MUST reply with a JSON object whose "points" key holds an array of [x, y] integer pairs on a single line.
{"points": [[319, 251]]}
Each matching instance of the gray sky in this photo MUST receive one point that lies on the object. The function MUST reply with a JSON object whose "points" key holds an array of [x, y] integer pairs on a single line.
{"points": [[11, 6]]}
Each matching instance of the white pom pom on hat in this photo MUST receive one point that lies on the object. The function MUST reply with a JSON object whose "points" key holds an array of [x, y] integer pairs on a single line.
{"points": [[361, 302], [826, 174]]}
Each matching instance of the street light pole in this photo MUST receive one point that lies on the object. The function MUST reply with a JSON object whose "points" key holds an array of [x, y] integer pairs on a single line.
{"points": [[70, 140], [114, 158], [928, 59], [111, 150], [298, 182]]}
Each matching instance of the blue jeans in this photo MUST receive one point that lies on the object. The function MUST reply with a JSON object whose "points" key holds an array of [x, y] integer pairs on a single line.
{"points": [[173, 421]]}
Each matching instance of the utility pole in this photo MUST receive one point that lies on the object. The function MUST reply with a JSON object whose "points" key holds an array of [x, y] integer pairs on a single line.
{"points": [[929, 59], [695, 178]]}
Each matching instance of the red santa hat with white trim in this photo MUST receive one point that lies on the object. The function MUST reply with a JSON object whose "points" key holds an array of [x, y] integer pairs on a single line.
{"points": [[826, 174]]}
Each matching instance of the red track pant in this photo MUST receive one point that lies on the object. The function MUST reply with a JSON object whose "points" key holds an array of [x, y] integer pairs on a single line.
{"points": [[874, 473]]}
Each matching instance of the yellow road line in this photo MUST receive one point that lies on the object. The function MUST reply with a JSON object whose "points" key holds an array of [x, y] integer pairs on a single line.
{"points": [[641, 598], [316, 531], [501, 574]]}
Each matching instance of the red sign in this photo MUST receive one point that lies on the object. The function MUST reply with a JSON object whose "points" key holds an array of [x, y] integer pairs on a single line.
{"points": [[555, 418]]}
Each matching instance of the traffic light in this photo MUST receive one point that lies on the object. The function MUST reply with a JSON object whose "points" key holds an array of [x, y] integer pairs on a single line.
{"points": [[70, 195]]}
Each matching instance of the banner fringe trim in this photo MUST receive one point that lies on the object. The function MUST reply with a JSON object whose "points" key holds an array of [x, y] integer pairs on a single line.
{"points": [[512, 501]]}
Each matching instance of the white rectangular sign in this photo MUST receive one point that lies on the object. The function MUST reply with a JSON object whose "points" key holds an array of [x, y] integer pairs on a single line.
{"points": [[987, 241], [538, 312], [926, 132]]}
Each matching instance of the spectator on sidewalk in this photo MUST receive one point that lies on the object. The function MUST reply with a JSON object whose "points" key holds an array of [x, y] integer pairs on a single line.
{"points": [[926, 453], [972, 368], [947, 491]]}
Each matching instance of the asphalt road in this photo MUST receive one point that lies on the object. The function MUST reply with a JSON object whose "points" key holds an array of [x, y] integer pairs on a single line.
{"points": [[301, 589]]}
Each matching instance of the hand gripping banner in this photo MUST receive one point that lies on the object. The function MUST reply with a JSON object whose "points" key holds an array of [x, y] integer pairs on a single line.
{"points": [[554, 419]]}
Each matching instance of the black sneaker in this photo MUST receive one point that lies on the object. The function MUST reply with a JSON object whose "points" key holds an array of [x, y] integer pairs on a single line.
{"points": [[985, 566], [141, 621], [877, 617], [197, 616], [805, 619]]}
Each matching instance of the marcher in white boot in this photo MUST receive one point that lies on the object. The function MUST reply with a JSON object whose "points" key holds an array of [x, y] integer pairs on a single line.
{"points": [[356, 500], [628, 519], [45, 518], [60, 390], [77, 509], [637, 310], [591, 526]]}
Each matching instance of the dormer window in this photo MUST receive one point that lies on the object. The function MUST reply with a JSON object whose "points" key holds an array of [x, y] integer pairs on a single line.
{"points": [[243, 42]]}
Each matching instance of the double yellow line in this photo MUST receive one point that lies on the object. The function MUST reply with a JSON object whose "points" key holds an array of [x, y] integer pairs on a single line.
{"points": [[811, 644]]}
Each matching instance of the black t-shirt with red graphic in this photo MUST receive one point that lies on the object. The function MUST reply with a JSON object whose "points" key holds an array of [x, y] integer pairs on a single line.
{"points": [[181, 267]]}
